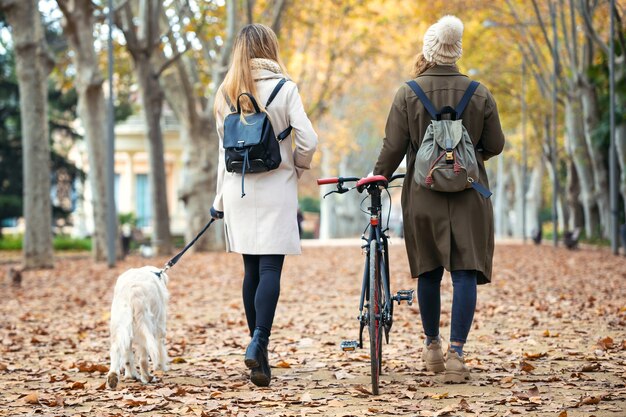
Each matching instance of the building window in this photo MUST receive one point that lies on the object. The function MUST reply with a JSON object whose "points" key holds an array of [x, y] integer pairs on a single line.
{"points": [[144, 212]]}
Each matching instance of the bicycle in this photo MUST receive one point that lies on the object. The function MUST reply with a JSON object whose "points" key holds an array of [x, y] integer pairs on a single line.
{"points": [[376, 303]]}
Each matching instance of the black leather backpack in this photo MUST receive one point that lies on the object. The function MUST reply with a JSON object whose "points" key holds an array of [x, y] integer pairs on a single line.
{"points": [[252, 146]]}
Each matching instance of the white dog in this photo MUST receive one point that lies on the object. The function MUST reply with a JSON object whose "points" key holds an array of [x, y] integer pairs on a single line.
{"points": [[138, 315]]}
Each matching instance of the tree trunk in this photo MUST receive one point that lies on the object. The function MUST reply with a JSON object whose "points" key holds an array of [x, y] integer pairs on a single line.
{"points": [[518, 196], [620, 143], [500, 208], [600, 174], [575, 218], [92, 111], [534, 199], [577, 149], [152, 98], [32, 67], [327, 205], [200, 158], [620, 130]]}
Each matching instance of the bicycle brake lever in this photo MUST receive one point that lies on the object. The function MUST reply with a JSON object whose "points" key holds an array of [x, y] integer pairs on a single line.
{"points": [[340, 190]]}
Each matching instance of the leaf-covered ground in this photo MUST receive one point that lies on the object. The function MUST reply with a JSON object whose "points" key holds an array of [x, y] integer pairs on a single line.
{"points": [[549, 339]]}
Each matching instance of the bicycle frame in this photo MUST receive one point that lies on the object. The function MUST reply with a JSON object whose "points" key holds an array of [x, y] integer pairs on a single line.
{"points": [[373, 186], [381, 306], [377, 233]]}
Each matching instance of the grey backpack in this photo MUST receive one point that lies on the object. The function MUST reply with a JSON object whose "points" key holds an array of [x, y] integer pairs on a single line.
{"points": [[446, 159]]}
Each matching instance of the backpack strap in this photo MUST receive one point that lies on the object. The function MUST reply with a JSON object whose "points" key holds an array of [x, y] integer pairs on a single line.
{"points": [[422, 96], [460, 108], [284, 134], [275, 91], [230, 105]]}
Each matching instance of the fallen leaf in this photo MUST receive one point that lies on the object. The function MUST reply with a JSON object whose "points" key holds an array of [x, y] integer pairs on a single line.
{"points": [[78, 385], [90, 367], [563, 413], [306, 398], [343, 375], [593, 367], [535, 355], [588, 401], [605, 343], [526, 367], [362, 389], [283, 364], [31, 398], [439, 396], [179, 360], [135, 402]]}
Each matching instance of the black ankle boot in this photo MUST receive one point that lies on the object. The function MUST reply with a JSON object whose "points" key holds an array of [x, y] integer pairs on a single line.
{"points": [[256, 358]]}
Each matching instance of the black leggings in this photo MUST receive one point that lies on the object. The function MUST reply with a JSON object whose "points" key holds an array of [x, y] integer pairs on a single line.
{"points": [[261, 288]]}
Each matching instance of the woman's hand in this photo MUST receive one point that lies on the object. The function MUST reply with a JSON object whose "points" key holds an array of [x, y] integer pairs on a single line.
{"points": [[216, 214]]}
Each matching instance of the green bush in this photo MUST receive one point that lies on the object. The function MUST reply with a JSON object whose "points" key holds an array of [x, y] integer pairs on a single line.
{"points": [[60, 243], [310, 204], [11, 242], [69, 243]]}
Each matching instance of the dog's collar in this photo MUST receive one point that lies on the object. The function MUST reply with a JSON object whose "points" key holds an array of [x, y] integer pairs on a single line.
{"points": [[158, 274]]}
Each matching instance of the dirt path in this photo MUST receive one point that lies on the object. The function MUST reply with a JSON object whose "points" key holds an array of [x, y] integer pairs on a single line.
{"points": [[549, 339]]}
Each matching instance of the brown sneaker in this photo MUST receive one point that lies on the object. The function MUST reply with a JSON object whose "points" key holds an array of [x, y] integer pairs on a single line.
{"points": [[432, 357], [456, 370]]}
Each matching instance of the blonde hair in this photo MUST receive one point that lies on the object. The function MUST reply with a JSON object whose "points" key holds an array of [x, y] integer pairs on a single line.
{"points": [[253, 41], [421, 65]]}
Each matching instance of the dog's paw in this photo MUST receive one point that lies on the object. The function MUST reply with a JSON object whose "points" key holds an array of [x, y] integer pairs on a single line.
{"points": [[112, 380], [146, 378], [165, 367]]}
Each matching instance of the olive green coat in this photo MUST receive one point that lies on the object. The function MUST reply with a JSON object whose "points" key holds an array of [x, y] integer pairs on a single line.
{"points": [[453, 230]]}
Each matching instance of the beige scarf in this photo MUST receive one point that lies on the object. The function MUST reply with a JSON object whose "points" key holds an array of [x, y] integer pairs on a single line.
{"points": [[265, 64]]}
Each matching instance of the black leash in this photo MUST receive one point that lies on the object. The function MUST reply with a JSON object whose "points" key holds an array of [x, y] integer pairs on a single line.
{"points": [[175, 259]]}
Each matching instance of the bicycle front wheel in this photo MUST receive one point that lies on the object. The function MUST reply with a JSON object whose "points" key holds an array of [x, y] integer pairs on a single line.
{"points": [[375, 316]]}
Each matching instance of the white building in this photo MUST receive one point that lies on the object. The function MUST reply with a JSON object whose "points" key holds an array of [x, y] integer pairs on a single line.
{"points": [[132, 190]]}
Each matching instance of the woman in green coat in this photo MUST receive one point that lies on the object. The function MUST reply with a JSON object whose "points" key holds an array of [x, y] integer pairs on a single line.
{"points": [[444, 230]]}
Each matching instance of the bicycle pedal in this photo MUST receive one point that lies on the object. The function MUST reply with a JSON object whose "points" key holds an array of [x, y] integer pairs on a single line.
{"points": [[405, 295], [349, 345]]}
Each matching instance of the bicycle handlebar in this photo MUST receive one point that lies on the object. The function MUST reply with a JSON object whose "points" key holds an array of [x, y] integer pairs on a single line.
{"points": [[337, 180]]}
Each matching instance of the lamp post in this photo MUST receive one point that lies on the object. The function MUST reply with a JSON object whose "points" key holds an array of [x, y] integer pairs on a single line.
{"points": [[555, 182], [524, 149], [613, 182], [110, 154]]}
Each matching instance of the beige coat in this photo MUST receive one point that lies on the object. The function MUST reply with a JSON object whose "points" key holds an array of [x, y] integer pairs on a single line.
{"points": [[264, 221], [453, 230]]}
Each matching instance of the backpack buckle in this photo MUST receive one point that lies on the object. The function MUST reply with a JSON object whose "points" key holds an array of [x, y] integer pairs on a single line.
{"points": [[449, 156]]}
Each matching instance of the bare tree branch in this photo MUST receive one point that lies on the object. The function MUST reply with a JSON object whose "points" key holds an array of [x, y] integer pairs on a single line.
{"points": [[542, 25], [277, 17], [572, 18], [231, 32], [566, 35], [169, 62], [534, 48], [620, 32], [249, 11], [590, 31]]}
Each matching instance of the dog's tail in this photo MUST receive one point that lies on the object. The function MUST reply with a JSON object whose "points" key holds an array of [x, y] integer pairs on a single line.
{"points": [[146, 326]]}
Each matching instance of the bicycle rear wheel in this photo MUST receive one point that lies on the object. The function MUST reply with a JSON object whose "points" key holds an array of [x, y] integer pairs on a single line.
{"points": [[375, 316]]}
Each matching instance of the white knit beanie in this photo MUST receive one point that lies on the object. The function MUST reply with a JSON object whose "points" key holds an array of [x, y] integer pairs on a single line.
{"points": [[442, 41]]}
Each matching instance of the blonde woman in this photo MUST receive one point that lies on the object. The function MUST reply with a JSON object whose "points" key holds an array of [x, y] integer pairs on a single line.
{"points": [[263, 225]]}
